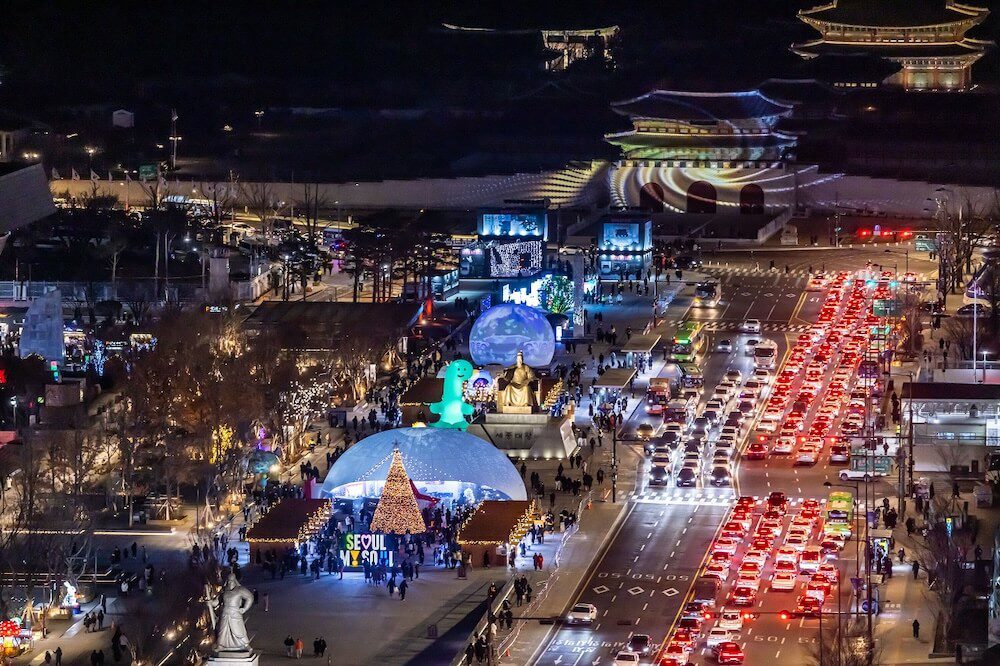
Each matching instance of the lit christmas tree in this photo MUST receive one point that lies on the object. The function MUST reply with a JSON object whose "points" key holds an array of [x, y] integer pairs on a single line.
{"points": [[397, 511]]}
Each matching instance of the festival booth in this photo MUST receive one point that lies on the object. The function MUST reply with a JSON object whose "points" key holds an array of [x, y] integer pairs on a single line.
{"points": [[16, 640], [494, 528], [288, 524]]}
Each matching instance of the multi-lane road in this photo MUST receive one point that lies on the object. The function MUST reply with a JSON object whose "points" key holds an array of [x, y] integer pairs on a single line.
{"points": [[642, 581]]}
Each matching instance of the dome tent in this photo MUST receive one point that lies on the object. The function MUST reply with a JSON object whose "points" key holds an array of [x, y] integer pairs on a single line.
{"points": [[439, 462]]}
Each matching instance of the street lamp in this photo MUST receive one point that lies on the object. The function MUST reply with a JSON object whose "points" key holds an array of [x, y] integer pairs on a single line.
{"points": [[260, 114]]}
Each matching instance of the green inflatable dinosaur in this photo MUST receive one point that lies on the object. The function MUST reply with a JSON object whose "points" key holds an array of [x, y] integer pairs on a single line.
{"points": [[453, 408]]}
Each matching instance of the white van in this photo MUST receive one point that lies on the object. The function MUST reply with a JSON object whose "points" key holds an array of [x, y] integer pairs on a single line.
{"points": [[765, 354]]}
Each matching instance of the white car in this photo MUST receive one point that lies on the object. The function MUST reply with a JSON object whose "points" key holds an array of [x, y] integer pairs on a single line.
{"points": [[784, 581], [582, 614], [731, 619], [724, 345], [858, 475], [718, 635], [626, 658], [769, 424], [751, 326]]}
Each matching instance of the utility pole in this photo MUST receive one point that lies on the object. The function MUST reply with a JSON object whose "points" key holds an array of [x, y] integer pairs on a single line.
{"points": [[614, 463], [173, 139]]}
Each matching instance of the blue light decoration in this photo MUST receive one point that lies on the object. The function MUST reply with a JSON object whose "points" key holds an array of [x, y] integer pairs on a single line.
{"points": [[508, 328], [99, 357], [452, 408]]}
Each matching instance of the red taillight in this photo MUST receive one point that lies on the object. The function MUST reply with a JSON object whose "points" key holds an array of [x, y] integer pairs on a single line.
{"points": [[784, 615]]}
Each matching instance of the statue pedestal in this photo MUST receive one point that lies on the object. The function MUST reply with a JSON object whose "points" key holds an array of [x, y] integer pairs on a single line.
{"points": [[244, 658], [508, 409]]}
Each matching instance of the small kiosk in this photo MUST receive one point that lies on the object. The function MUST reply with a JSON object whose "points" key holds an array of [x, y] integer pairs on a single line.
{"points": [[494, 528]]}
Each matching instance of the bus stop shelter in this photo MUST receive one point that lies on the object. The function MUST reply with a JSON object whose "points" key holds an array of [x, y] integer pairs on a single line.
{"points": [[641, 344], [615, 379]]}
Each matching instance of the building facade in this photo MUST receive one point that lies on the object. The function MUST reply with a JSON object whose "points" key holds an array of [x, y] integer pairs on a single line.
{"points": [[926, 39], [956, 427]]}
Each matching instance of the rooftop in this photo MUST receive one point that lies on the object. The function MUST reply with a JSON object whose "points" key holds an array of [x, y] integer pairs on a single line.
{"points": [[894, 13], [494, 521], [949, 391], [698, 106], [285, 520]]}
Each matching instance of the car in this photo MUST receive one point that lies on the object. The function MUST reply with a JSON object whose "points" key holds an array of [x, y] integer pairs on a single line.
{"points": [[675, 654], [807, 606], [640, 644], [626, 658], [713, 416], [743, 595], [718, 635], [696, 609], [756, 451], [659, 476], [829, 571], [701, 426], [796, 541], [726, 545], [768, 424], [717, 570], [784, 566], [750, 568], [839, 455], [751, 326], [645, 431], [783, 445], [858, 475], [811, 558], [756, 556], [687, 478], [784, 581], [821, 582], [806, 456], [777, 501], [725, 345], [728, 653], [720, 477], [582, 614], [830, 548], [692, 623]]}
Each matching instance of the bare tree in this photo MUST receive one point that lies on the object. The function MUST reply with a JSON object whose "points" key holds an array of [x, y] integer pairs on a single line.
{"points": [[942, 553], [262, 201], [844, 646], [310, 204], [964, 225]]}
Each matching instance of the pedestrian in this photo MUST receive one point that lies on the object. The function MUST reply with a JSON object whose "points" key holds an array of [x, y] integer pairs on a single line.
{"points": [[916, 629], [316, 647], [289, 646], [916, 569], [48, 657], [954, 490], [59, 649], [391, 585], [979, 552], [402, 589], [299, 647], [322, 646], [902, 555]]}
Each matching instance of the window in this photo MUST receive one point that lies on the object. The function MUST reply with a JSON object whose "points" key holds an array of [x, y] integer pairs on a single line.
{"points": [[944, 435], [969, 435]]}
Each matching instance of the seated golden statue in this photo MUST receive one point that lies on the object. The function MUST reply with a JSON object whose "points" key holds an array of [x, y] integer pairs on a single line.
{"points": [[517, 387]]}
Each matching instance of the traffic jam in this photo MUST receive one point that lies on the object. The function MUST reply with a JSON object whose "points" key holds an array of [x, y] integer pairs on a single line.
{"points": [[778, 557]]}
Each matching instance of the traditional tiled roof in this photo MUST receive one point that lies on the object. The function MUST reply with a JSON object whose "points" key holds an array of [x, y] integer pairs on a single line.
{"points": [[701, 141], [695, 106], [894, 13], [820, 47]]}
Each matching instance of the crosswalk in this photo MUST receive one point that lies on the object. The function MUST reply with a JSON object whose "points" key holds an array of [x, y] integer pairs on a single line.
{"points": [[714, 497], [733, 325], [752, 271]]}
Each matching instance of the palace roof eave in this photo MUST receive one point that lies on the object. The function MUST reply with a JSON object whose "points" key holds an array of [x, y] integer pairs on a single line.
{"points": [[962, 13], [967, 48]]}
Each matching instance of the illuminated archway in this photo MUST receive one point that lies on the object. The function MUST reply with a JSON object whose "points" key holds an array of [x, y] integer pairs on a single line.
{"points": [[701, 197], [651, 197], [752, 200]]}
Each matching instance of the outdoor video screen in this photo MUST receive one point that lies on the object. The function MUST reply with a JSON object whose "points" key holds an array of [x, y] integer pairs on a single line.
{"points": [[517, 259], [512, 224]]}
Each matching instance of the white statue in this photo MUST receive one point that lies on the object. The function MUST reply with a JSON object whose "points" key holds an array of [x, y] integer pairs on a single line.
{"points": [[69, 596], [231, 605]]}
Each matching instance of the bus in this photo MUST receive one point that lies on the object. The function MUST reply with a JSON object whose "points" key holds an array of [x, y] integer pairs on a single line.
{"points": [[707, 295], [839, 514], [688, 342], [691, 376]]}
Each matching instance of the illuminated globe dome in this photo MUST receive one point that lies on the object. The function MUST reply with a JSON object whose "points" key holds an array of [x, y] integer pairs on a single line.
{"points": [[505, 329], [440, 462]]}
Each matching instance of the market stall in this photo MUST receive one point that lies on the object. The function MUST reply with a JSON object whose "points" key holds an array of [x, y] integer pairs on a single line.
{"points": [[494, 528]]}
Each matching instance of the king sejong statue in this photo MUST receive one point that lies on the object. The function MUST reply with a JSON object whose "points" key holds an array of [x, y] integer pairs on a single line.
{"points": [[231, 605], [517, 385]]}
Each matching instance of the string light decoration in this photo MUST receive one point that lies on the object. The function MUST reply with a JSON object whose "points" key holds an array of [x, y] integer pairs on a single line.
{"points": [[557, 294], [397, 511], [277, 524], [553, 395], [516, 259], [484, 526], [223, 440]]}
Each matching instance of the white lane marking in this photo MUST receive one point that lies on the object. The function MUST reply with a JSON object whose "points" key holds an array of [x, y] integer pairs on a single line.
{"points": [[637, 620], [665, 566], [782, 640], [642, 547], [605, 614], [777, 654], [645, 606], [635, 559], [649, 535]]}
